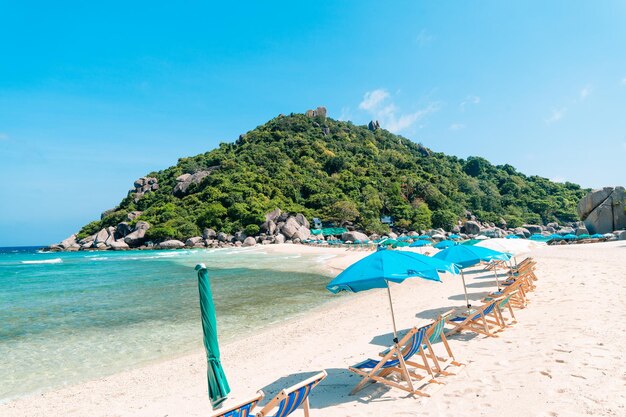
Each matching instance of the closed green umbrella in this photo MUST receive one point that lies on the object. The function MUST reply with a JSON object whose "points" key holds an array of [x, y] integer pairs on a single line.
{"points": [[218, 385]]}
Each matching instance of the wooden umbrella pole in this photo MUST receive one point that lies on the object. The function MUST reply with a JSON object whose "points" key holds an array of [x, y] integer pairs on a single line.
{"points": [[465, 290], [393, 317]]}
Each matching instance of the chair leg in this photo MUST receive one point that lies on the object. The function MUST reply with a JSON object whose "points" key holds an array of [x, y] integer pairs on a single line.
{"points": [[305, 407]]}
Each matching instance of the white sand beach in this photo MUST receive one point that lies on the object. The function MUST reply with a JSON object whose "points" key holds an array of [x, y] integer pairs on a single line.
{"points": [[564, 357]]}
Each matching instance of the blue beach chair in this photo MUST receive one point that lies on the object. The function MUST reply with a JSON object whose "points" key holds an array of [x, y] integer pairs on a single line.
{"points": [[434, 335], [288, 400], [243, 409], [485, 320], [395, 360]]}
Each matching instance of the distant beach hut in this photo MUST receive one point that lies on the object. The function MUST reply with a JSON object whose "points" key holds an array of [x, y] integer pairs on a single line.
{"points": [[217, 382]]}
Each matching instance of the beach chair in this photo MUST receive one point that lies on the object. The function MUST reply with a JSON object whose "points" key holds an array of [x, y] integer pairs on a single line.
{"points": [[394, 361], [485, 320], [243, 409], [289, 399], [506, 303], [434, 335]]}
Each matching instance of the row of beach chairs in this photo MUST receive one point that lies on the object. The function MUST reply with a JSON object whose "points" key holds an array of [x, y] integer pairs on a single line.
{"points": [[413, 363]]}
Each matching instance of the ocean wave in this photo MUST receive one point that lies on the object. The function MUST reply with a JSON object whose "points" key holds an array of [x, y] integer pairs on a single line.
{"points": [[44, 261]]}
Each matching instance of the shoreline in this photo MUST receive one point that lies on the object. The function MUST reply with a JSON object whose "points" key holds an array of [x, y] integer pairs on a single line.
{"points": [[540, 361]]}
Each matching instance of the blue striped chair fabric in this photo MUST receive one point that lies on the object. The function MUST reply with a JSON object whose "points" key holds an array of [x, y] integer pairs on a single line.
{"points": [[414, 346]]}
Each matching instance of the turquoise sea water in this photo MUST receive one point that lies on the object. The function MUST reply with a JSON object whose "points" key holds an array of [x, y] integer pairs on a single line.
{"points": [[70, 317]]}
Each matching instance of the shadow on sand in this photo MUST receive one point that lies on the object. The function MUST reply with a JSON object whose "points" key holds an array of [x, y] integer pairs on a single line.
{"points": [[333, 390]]}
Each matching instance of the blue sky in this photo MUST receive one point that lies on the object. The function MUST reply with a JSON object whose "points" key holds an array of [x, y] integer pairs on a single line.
{"points": [[94, 96]]}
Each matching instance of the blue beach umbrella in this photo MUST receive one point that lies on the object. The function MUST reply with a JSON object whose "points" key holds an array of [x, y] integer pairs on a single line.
{"points": [[403, 238], [555, 236], [512, 237], [425, 237], [569, 236], [453, 237], [465, 256], [384, 266], [420, 243], [218, 384], [444, 244], [597, 236]]}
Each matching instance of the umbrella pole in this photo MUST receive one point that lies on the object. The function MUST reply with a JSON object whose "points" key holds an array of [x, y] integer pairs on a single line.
{"points": [[403, 367], [465, 290], [495, 273], [393, 318]]}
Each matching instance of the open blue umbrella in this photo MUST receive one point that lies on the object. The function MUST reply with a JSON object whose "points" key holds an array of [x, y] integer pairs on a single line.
{"points": [[569, 236], [453, 236], [218, 384], [420, 243], [512, 237], [384, 266], [597, 236], [425, 237], [444, 244], [465, 256]]}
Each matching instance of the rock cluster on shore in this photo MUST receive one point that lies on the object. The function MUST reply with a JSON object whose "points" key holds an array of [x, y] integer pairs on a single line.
{"points": [[602, 212]]}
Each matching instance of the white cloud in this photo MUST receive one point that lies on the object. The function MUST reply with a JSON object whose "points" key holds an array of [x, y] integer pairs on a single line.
{"points": [[379, 105], [469, 100], [4, 136], [424, 38], [557, 114], [585, 92], [624, 81], [372, 99], [457, 126]]}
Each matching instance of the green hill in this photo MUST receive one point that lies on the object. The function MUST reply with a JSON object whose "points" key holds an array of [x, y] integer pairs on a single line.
{"points": [[335, 170]]}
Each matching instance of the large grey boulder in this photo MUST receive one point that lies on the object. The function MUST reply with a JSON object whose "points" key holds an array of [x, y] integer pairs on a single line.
{"points": [[581, 231], [101, 236], [533, 228], [603, 210], [620, 234], [280, 238], [208, 234], [119, 245], [566, 231], [521, 231], [249, 241], [69, 242], [273, 215], [193, 241], [123, 229], [138, 236], [268, 227], [143, 186], [240, 236], [290, 227], [222, 237], [471, 227], [493, 232], [354, 236], [171, 244], [302, 221]]}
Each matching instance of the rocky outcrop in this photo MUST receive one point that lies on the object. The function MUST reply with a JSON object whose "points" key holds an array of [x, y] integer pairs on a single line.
{"points": [[294, 230], [603, 210], [138, 236], [373, 125], [354, 236], [143, 186], [319, 112], [471, 227], [249, 241], [185, 181]]}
